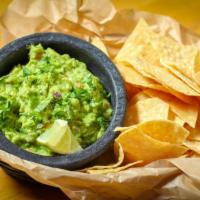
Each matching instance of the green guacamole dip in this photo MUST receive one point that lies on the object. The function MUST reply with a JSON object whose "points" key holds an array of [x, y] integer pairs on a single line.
{"points": [[50, 87]]}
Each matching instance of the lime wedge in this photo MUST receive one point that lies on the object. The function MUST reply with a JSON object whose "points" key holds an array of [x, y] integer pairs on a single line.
{"points": [[75, 146], [57, 137]]}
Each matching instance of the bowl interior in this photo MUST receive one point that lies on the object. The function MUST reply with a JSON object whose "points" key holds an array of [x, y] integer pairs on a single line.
{"points": [[98, 63], [20, 56]]}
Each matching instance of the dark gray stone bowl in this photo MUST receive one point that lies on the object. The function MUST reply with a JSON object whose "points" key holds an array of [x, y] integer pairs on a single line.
{"points": [[98, 63]]}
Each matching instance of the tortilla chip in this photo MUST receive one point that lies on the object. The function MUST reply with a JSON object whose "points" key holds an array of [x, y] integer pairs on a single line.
{"points": [[186, 99], [114, 170], [182, 57], [177, 73], [188, 113], [145, 110], [138, 97], [196, 69], [144, 49], [128, 45], [132, 48], [96, 41], [173, 117], [118, 153], [166, 71], [131, 76], [194, 133], [165, 131], [167, 79], [134, 78], [139, 146], [131, 90], [150, 57], [193, 145], [124, 128]]}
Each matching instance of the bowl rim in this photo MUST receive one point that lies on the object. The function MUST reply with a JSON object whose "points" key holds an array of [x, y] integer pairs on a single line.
{"points": [[75, 160]]}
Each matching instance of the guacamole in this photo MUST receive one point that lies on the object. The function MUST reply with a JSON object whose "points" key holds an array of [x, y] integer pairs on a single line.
{"points": [[50, 87]]}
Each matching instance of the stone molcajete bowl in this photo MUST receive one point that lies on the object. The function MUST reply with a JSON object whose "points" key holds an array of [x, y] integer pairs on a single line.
{"points": [[98, 63]]}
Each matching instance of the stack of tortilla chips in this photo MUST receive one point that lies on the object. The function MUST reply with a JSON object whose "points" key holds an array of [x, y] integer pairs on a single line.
{"points": [[162, 79]]}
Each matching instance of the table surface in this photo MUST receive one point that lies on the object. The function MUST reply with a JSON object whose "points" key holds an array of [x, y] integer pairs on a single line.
{"points": [[11, 188], [186, 12]]}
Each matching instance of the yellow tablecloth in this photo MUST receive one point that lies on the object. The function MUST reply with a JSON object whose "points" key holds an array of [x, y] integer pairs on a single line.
{"points": [[186, 12]]}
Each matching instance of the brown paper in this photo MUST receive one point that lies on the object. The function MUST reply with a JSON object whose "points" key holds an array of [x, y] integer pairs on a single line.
{"points": [[177, 178]]}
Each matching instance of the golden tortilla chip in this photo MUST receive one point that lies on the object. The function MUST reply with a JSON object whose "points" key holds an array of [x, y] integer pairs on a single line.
{"points": [[145, 110], [118, 153], [124, 128], [128, 46], [165, 131], [167, 79], [138, 97], [182, 57], [150, 58], [188, 113], [133, 47], [173, 117], [193, 145], [114, 170], [131, 90], [177, 73], [131, 76], [186, 99], [194, 133], [196, 69], [134, 78], [144, 49], [139, 146], [96, 41]]}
